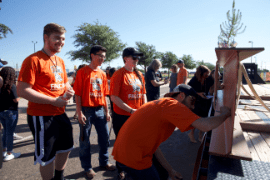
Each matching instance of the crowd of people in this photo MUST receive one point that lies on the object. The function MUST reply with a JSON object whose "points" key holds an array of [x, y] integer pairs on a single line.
{"points": [[141, 121]]}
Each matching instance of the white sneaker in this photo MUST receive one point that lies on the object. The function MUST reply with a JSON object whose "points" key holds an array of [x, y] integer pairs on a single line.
{"points": [[17, 137], [11, 156]]}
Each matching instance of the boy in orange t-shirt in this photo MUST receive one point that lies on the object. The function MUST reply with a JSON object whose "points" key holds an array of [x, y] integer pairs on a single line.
{"points": [[91, 88], [43, 82], [153, 123], [182, 74]]}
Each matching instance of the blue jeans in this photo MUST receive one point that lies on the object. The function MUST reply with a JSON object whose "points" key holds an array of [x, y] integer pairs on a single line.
{"points": [[95, 116], [9, 119], [145, 174]]}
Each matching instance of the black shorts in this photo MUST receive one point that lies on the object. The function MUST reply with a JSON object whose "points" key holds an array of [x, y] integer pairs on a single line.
{"points": [[52, 135]]}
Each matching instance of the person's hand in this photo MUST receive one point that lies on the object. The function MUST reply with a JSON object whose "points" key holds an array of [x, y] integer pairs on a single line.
{"points": [[166, 81], [225, 110], [69, 93], [60, 102], [174, 175], [82, 118], [202, 94], [108, 117]]}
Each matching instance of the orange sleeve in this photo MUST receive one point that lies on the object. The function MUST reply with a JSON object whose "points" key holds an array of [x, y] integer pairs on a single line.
{"points": [[78, 83], [178, 78], [143, 84], [116, 83], [179, 115], [28, 71], [185, 73]]}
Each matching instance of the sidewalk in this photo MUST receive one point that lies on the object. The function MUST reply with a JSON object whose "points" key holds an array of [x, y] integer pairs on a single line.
{"points": [[180, 153]]}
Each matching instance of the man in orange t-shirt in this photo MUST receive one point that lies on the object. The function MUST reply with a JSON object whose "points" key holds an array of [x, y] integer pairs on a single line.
{"points": [[183, 74], [153, 123], [43, 82], [91, 88]]}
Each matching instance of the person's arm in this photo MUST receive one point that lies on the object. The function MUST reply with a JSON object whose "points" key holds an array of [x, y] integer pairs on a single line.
{"points": [[174, 175], [184, 79], [121, 104], [81, 116], [157, 84], [144, 99], [207, 124], [25, 90], [108, 117], [69, 91]]}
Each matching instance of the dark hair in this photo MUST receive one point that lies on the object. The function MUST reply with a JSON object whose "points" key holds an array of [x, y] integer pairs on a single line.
{"points": [[200, 71], [9, 76], [53, 28], [95, 49], [111, 71]]}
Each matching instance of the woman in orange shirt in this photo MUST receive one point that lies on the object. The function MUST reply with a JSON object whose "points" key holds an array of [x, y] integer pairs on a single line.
{"points": [[127, 90]]}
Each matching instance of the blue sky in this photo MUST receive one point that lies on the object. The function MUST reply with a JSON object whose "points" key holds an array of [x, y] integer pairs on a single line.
{"points": [[180, 26]]}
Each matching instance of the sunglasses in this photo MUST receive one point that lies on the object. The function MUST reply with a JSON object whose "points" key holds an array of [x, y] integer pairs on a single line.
{"points": [[135, 57]]}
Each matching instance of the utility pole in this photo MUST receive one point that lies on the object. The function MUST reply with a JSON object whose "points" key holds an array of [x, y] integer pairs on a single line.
{"points": [[34, 45], [252, 47]]}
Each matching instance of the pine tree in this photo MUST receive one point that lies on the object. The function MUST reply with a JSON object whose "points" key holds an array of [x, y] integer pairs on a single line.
{"points": [[231, 28]]}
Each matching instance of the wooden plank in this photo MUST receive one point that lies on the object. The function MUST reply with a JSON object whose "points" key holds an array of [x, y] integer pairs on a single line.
{"points": [[250, 121], [266, 137], [267, 98], [260, 145], [240, 149], [251, 148]]}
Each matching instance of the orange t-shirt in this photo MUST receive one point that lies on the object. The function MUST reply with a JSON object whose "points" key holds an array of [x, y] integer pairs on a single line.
{"points": [[40, 72], [92, 86], [127, 86], [147, 128], [181, 74]]}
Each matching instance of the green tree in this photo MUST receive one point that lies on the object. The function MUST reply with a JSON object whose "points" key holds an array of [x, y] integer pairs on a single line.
{"points": [[4, 31], [149, 54], [168, 59], [230, 29], [189, 63], [209, 65], [88, 35]]}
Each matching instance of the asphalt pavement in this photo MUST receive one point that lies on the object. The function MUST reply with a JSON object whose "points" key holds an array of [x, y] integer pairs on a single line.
{"points": [[178, 150]]}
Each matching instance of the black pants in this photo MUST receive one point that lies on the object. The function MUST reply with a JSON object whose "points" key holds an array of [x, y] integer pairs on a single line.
{"points": [[118, 121]]}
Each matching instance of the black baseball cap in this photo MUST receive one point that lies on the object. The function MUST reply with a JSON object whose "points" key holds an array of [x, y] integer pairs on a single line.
{"points": [[180, 61], [186, 89], [130, 51]]}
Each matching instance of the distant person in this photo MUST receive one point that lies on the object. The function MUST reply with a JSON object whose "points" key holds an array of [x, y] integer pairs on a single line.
{"points": [[202, 106], [153, 82], [91, 88], [173, 77], [152, 124], [43, 82], [107, 73], [183, 74], [8, 111], [127, 92], [111, 72]]}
